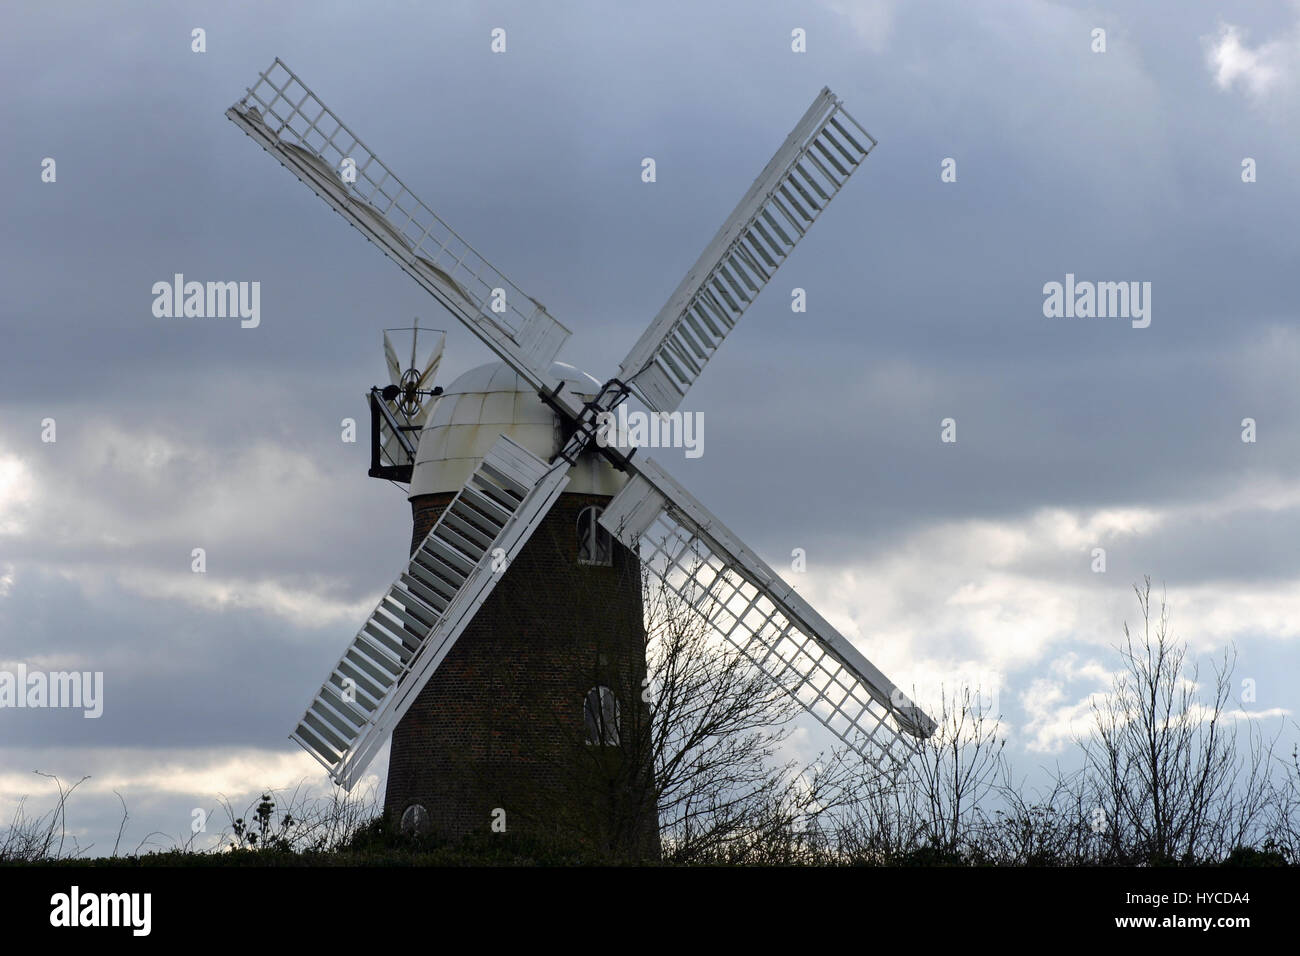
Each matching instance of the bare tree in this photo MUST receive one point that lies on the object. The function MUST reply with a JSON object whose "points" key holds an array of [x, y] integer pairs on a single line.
{"points": [[956, 770], [1283, 813], [719, 726], [1046, 826], [1162, 763], [933, 809]]}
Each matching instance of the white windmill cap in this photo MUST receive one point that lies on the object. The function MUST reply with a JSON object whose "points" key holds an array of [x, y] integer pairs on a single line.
{"points": [[492, 400]]}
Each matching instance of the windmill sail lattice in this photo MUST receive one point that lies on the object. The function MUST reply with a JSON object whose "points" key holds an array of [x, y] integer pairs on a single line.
{"points": [[745, 601], [295, 127], [817, 158], [427, 608]]}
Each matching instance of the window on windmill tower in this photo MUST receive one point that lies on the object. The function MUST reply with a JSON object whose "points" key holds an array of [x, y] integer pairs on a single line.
{"points": [[601, 715], [415, 820], [595, 546]]}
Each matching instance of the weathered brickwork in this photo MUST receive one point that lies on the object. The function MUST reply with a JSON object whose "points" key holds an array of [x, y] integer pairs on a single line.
{"points": [[500, 723]]}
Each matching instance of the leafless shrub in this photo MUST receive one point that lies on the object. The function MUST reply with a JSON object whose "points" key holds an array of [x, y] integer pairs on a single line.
{"points": [[41, 838], [289, 821], [1163, 767]]}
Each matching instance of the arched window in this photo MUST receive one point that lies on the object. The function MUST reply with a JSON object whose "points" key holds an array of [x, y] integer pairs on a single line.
{"points": [[595, 546], [600, 713], [415, 820]]}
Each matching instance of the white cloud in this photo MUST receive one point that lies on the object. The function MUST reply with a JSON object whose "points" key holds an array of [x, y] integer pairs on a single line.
{"points": [[200, 773], [990, 603], [1053, 719], [305, 606], [1261, 70], [17, 490], [154, 497], [145, 484]]}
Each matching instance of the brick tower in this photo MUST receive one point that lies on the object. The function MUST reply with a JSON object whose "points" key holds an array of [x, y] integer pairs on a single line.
{"points": [[534, 721]]}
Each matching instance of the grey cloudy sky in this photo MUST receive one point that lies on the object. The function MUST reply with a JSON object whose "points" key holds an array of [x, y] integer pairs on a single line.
{"points": [[822, 429]]}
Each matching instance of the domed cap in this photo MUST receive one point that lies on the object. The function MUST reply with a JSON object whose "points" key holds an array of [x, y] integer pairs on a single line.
{"points": [[492, 400]]}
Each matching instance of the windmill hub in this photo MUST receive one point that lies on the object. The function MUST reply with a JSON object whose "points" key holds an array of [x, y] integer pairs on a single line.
{"points": [[410, 390]]}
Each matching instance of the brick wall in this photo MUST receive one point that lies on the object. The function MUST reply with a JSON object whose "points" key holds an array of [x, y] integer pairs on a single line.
{"points": [[500, 723]]}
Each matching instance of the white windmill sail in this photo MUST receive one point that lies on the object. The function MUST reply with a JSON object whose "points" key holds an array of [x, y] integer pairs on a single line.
{"points": [[427, 608], [293, 125], [815, 160], [746, 602]]}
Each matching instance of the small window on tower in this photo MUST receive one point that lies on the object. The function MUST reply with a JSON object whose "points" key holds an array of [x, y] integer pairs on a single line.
{"points": [[595, 546], [415, 820], [601, 715]]}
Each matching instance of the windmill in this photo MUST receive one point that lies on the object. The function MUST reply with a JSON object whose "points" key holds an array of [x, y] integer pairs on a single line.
{"points": [[509, 491]]}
